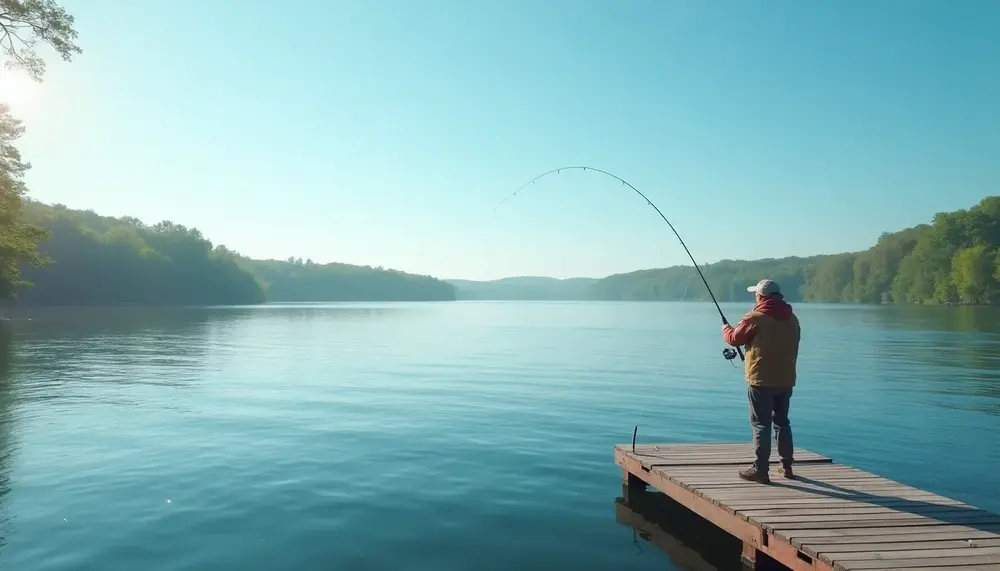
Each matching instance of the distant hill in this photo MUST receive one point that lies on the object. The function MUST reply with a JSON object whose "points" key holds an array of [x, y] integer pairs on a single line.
{"points": [[101, 260], [294, 280], [728, 278], [525, 288], [953, 260]]}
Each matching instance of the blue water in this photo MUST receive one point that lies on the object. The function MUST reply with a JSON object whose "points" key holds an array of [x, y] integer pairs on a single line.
{"points": [[445, 436]]}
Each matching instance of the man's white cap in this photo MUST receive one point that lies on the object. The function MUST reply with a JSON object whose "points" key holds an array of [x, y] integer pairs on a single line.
{"points": [[765, 287]]}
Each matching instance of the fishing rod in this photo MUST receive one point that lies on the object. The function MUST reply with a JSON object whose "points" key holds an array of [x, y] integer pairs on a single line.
{"points": [[728, 353]]}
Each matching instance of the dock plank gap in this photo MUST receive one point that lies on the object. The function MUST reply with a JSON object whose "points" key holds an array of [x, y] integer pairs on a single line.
{"points": [[830, 516]]}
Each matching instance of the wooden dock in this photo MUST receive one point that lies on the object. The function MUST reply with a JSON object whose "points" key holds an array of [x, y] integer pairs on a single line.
{"points": [[831, 516]]}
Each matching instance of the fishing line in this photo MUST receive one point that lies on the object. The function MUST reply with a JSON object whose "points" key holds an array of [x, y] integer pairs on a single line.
{"points": [[688, 286], [728, 353]]}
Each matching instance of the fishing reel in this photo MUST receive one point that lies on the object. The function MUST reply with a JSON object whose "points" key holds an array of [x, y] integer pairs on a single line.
{"points": [[729, 353]]}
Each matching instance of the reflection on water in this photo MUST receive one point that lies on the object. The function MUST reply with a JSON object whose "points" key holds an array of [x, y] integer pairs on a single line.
{"points": [[948, 356], [961, 345], [154, 346], [690, 542], [957, 319], [8, 445]]}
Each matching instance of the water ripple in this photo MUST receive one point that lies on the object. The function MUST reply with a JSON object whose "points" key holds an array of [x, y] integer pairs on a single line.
{"points": [[433, 436]]}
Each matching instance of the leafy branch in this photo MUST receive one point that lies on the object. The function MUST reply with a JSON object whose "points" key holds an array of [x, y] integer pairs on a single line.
{"points": [[26, 23]]}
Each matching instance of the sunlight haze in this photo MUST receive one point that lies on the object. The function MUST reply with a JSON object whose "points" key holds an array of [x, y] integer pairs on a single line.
{"points": [[18, 91], [386, 133]]}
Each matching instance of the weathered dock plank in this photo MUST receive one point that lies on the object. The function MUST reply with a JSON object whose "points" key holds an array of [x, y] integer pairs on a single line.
{"points": [[829, 517]]}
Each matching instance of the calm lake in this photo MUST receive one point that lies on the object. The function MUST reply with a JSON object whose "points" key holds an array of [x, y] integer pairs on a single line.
{"points": [[444, 436]]}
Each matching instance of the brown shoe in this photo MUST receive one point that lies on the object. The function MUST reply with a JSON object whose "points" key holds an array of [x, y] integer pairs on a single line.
{"points": [[786, 472], [751, 474]]}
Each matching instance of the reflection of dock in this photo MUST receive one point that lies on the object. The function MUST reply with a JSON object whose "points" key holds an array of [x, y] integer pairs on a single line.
{"points": [[831, 516], [691, 543]]}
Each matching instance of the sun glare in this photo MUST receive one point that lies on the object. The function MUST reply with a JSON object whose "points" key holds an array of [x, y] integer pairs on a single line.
{"points": [[16, 89]]}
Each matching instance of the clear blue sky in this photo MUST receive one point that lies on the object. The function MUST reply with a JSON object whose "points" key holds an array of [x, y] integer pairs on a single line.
{"points": [[385, 133]]}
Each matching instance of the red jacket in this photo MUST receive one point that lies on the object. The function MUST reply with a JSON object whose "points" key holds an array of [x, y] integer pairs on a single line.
{"points": [[743, 332], [770, 333]]}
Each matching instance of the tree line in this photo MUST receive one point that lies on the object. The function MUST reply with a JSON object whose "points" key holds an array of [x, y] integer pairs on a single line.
{"points": [[728, 279], [955, 259], [297, 280], [95, 260]]}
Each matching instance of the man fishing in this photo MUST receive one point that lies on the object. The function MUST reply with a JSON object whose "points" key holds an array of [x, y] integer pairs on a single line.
{"points": [[770, 333]]}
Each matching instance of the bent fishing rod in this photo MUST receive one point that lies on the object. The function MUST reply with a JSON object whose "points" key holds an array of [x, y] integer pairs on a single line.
{"points": [[728, 352]]}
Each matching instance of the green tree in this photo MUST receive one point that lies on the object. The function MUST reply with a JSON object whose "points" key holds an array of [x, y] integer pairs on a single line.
{"points": [[875, 269], [23, 25], [996, 273], [102, 260], [924, 274], [728, 279], [832, 279], [18, 240], [972, 274], [99, 260], [296, 280], [26, 23]]}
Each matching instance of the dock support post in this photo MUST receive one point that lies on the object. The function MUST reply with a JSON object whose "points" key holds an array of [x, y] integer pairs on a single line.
{"points": [[757, 560], [632, 481]]}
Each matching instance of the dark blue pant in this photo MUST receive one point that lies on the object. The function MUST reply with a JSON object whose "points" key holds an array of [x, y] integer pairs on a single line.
{"points": [[767, 407]]}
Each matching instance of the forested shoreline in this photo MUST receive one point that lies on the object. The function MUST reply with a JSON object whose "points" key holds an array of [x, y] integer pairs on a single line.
{"points": [[953, 260], [100, 260]]}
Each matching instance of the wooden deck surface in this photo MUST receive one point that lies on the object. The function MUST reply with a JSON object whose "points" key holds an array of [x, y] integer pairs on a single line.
{"points": [[831, 516]]}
